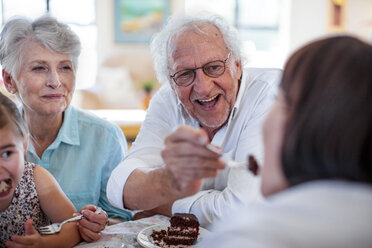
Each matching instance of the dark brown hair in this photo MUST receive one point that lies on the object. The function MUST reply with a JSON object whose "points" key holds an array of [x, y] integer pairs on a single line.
{"points": [[328, 89], [9, 114]]}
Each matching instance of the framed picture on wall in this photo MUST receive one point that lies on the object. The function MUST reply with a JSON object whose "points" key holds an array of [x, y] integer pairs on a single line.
{"points": [[137, 20], [337, 15]]}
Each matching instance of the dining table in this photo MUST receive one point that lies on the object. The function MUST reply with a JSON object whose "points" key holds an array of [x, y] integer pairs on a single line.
{"points": [[124, 234]]}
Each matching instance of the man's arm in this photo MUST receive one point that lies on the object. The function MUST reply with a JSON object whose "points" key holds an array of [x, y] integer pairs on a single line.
{"points": [[147, 190], [187, 162]]}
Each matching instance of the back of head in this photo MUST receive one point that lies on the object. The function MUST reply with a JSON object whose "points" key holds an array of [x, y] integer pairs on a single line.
{"points": [[46, 30], [161, 42], [328, 88], [9, 114]]}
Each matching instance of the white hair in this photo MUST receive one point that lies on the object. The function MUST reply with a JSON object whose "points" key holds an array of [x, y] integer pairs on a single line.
{"points": [[46, 30], [160, 44]]}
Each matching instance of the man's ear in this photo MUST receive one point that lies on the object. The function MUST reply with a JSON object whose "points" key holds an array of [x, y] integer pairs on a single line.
{"points": [[238, 66], [172, 85], [9, 82]]}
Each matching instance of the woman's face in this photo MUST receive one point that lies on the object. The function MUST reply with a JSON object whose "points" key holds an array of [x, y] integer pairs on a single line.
{"points": [[12, 148], [46, 80], [273, 179]]}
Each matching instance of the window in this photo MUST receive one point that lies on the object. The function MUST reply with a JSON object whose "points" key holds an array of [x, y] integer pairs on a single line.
{"points": [[79, 15], [262, 26]]}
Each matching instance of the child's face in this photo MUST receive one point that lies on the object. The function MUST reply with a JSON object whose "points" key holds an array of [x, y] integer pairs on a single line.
{"points": [[11, 163]]}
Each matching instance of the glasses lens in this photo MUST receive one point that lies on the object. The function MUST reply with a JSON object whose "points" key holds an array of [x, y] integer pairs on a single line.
{"points": [[214, 68], [184, 77]]}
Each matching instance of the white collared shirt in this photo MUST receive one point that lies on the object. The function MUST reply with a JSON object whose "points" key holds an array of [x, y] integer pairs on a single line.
{"points": [[318, 213], [240, 137]]}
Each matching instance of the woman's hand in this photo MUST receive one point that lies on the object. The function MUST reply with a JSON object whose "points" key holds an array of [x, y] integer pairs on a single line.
{"points": [[92, 224]]}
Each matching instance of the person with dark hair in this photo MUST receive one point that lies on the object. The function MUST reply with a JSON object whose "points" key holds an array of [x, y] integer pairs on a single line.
{"points": [[39, 59], [30, 197], [317, 173]]}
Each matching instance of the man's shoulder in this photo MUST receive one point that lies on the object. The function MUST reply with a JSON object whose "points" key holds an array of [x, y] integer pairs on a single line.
{"points": [[166, 91], [270, 75], [164, 97]]}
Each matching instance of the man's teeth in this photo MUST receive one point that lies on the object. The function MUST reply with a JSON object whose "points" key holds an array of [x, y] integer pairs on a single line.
{"points": [[5, 185], [208, 100]]}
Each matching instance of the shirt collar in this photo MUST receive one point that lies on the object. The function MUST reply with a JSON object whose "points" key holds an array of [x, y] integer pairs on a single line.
{"points": [[69, 132], [239, 97]]}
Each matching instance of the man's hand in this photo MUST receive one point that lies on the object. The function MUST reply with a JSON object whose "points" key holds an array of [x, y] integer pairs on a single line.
{"points": [[31, 239], [187, 159], [165, 209], [92, 224]]}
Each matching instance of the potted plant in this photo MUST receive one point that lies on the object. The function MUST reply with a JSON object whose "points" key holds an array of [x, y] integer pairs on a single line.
{"points": [[148, 87]]}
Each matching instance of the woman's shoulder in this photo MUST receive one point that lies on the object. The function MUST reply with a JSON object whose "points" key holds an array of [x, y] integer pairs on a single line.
{"points": [[85, 117]]}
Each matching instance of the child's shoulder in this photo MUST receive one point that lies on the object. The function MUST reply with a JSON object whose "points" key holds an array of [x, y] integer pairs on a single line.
{"points": [[31, 168], [43, 179], [38, 170]]}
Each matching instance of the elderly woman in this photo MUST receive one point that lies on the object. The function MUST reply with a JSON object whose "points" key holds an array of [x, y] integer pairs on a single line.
{"points": [[317, 172], [39, 60]]}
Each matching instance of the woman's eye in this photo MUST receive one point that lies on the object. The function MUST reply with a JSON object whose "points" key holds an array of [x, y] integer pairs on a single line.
{"points": [[6, 154], [66, 68], [38, 68]]}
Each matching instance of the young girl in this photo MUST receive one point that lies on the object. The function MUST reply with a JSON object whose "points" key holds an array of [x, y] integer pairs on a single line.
{"points": [[29, 195]]}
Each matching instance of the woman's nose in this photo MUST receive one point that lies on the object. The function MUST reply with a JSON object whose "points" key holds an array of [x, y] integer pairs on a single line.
{"points": [[53, 80]]}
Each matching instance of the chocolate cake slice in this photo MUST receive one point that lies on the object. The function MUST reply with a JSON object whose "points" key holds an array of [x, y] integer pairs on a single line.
{"points": [[183, 230]]}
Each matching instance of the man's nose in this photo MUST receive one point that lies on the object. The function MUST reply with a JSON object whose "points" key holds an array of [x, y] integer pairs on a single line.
{"points": [[53, 80], [202, 83]]}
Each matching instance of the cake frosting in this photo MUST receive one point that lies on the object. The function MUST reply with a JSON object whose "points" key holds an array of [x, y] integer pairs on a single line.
{"points": [[183, 230]]}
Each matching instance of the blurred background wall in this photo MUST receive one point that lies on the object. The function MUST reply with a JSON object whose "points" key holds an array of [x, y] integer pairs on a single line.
{"points": [[118, 74]]}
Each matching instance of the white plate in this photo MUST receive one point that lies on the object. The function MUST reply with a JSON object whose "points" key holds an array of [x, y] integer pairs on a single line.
{"points": [[145, 240], [100, 244]]}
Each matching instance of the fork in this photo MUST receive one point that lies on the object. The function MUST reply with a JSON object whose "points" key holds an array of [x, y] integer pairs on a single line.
{"points": [[251, 165], [56, 227], [230, 163]]}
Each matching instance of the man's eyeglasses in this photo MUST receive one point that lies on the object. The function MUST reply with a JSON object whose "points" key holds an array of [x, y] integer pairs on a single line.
{"points": [[212, 69]]}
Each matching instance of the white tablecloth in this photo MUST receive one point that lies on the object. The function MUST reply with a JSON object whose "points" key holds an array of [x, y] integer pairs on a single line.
{"points": [[124, 235]]}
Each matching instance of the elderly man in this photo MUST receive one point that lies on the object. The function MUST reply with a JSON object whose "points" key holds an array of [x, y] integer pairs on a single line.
{"points": [[209, 99]]}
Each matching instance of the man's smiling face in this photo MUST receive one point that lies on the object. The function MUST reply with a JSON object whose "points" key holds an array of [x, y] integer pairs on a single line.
{"points": [[209, 100]]}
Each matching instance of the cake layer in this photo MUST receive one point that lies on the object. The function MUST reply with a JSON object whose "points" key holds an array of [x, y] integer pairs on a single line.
{"points": [[158, 235], [183, 219], [179, 240], [185, 232]]}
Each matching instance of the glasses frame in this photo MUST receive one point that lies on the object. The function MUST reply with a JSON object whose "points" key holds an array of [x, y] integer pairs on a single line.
{"points": [[203, 69]]}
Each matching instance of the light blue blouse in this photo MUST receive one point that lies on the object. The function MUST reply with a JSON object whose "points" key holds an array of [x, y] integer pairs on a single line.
{"points": [[82, 157]]}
